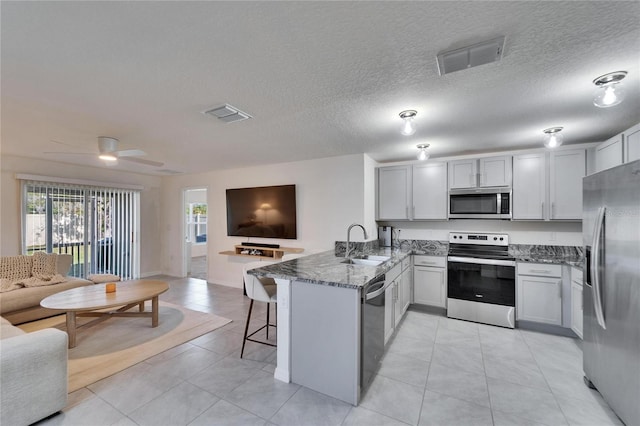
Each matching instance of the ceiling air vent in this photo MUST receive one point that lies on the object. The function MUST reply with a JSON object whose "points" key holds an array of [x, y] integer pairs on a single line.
{"points": [[228, 113], [470, 56]]}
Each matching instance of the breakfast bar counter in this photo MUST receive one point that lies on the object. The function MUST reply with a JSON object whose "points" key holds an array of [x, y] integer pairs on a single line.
{"points": [[320, 325]]}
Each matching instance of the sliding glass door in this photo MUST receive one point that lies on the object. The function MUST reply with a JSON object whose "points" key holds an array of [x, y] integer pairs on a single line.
{"points": [[97, 226]]}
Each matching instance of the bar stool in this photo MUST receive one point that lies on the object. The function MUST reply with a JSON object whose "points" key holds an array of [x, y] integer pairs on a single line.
{"points": [[261, 289]]}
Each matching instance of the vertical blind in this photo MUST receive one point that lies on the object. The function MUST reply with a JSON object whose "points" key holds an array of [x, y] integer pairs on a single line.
{"points": [[97, 226]]}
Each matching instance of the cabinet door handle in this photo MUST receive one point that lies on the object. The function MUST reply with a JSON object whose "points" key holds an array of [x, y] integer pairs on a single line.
{"points": [[542, 210], [553, 210], [540, 271], [406, 212], [413, 212], [560, 289]]}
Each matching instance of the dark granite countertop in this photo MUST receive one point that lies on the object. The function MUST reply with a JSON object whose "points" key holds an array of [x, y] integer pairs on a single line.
{"points": [[327, 269], [563, 255]]}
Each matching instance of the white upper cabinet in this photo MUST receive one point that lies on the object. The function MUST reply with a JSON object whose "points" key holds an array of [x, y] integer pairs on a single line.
{"points": [[632, 144], [430, 191], [495, 171], [463, 174], [529, 186], [609, 153], [567, 168], [483, 172], [412, 192], [394, 192]]}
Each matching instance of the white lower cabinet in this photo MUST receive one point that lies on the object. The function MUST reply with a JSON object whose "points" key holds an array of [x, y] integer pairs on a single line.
{"points": [[430, 281], [577, 305], [539, 299], [576, 308], [393, 301], [397, 296], [389, 320], [397, 305]]}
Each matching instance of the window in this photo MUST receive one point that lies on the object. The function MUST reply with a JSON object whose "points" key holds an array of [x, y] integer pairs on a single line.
{"points": [[197, 222], [97, 226]]}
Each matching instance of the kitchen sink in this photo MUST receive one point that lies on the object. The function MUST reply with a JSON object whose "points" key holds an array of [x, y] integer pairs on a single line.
{"points": [[366, 260]]}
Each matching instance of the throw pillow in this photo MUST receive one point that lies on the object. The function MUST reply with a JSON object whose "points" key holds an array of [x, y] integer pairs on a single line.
{"points": [[44, 265], [14, 268], [103, 278]]}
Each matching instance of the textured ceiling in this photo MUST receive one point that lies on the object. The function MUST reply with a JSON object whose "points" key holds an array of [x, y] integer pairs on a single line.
{"points": [[320, 79]]}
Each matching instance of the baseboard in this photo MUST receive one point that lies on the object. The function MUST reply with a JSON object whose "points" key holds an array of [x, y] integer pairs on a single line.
{"points": [[150, 274], [546, 328], [428, 309]]}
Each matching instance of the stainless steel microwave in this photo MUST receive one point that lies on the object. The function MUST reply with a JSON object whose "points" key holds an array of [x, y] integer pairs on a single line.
{"points": [[480, 203]]}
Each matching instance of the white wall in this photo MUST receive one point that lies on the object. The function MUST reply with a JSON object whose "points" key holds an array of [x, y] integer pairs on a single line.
{"points": [[330, 195], [10, 231]]}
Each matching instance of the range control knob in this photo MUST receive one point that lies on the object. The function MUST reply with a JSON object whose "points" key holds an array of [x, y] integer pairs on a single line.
{"points": [[501, 239], [495, 238]]}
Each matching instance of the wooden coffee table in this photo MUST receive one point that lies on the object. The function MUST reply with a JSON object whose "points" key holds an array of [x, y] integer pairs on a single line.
{"points": [[88, 300]]}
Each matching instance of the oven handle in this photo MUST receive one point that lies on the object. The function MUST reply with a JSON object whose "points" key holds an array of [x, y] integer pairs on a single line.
{"points": [[475, 260]]}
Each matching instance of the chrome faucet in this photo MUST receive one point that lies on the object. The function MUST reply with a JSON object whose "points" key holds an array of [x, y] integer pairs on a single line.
{"points": [[346, 253]]}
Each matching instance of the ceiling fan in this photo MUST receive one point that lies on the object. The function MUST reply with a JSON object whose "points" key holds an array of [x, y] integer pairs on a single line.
{"points": [[108, 152]]}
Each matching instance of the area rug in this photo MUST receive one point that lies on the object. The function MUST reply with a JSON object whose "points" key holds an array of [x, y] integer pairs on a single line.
{"points": [[118, 343]]}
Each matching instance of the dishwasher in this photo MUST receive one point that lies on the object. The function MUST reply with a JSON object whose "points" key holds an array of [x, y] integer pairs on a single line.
{"points": [[372, 336]]}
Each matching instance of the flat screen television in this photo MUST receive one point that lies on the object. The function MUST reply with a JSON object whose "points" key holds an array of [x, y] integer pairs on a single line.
{"points": [[266, 211]]}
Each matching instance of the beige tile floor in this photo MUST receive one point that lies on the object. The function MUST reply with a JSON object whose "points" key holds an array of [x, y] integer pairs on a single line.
{"points": [[437, 371]]}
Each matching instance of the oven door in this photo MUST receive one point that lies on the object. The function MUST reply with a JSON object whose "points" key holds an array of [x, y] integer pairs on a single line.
{"points": [[482, 280]]}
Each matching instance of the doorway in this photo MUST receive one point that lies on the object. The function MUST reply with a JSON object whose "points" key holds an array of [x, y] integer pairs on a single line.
{"points": [[195, 221]]}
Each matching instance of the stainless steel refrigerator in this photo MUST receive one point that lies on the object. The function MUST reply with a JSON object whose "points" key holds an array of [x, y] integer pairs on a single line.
{"points": [[611, 294]]}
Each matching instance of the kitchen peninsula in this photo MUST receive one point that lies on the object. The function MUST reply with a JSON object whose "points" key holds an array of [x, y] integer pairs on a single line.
{"points": [[320, 315]]}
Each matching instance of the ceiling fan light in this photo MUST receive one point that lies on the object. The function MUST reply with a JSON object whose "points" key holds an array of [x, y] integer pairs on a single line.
{"points": [[408, 125], [108, 157], [423, 154], [553, 138]]}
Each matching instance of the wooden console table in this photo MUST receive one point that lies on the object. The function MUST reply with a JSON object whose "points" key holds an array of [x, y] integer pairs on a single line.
{"points": [[267, 252]]}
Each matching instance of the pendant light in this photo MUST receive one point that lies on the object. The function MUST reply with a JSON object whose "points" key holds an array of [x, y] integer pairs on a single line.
{"points": [[553, 138], [408, 126], [608, 92], [423, 155]]}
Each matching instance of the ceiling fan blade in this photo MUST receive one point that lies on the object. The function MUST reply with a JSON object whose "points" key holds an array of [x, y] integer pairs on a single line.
{"points": [[69, 153], [131, 153], [142, 161]]}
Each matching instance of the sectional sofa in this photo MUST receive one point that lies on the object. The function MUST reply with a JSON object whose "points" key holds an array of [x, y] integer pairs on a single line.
{"points": [[42, 275]]}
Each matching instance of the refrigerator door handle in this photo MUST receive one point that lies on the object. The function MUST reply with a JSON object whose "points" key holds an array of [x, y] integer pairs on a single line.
{"points": [[595, 266]]}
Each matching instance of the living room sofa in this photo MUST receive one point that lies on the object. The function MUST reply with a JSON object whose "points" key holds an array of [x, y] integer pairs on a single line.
{"points": [[23, 304], [33, 374]]}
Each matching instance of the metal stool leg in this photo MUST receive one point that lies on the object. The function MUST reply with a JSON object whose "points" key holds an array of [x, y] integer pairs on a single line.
{"points": [[246, 328], [268, 309]]}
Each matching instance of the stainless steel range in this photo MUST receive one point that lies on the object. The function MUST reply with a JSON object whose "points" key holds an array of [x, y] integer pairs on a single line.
{"points": [[481, 279]]}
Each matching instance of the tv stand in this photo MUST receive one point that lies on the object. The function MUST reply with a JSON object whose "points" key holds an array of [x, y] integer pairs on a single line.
{"points": [[266, 253]]}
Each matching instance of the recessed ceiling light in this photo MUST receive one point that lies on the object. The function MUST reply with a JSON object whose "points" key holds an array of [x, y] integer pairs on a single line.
{"points": [[228, 113]]}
